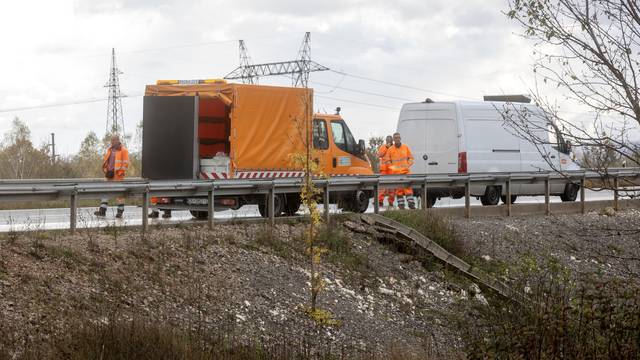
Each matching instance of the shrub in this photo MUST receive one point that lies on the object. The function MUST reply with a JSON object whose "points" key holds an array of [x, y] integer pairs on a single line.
{"points": [[586, 318]]}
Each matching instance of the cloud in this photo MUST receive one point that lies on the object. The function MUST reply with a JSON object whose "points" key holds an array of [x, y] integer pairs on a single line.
{"points": [[61, 53]]}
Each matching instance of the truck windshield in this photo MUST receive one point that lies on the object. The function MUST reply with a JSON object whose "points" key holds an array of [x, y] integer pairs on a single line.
{"points": [[342, 137]]}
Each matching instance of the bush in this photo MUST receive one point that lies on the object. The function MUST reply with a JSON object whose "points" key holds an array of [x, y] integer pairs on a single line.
{"points": [[587, 318]]}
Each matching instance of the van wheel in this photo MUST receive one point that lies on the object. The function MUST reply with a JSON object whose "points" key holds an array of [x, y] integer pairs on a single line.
{"points": [[570, 192], [504, 198], [357, 203], [431, 200], [491, 196], [278, 206], [200, 215], [292, 204]]}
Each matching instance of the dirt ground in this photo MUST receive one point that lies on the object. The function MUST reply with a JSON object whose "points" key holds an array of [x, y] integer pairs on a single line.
{"points": [[253, 281]]}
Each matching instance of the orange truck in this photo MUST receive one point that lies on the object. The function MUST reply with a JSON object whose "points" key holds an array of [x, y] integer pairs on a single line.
{"points": [[211, 129]]}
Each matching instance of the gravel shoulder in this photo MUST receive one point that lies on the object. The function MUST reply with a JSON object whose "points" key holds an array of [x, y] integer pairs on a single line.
{"points": [[253, 281]]}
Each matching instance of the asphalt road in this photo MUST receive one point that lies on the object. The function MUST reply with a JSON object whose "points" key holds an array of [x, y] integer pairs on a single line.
{"points": [[49, 219]]}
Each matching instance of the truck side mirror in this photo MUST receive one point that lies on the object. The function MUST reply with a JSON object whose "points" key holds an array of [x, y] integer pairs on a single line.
{"points": [[361, 146]]}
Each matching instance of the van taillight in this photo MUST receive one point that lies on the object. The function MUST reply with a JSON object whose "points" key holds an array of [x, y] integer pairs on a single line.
{"points": [[462, 163]]}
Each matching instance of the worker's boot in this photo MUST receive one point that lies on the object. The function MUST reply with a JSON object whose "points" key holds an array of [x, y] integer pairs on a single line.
{"points": [[154, 214], [119, 213], [412, 203], [166, 214], [102, 210], [401, 203]]}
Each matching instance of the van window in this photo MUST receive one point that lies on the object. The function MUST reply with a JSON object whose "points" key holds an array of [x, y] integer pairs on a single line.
{"points": [[342, 137], [320, 137]]}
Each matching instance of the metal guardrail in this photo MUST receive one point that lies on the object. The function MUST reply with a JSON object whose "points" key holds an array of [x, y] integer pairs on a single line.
{"points": [[74, 189]]}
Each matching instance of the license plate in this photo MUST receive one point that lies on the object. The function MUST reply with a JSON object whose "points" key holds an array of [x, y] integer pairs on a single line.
{"points": [[197, 201]]}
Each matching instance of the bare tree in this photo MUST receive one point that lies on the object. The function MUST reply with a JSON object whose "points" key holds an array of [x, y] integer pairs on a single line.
{"points": [[590, 50]]}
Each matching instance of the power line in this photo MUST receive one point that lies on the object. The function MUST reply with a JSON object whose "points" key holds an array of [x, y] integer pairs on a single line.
{"points": [[400, 85], [357, 102], [77, 102], [363, 92]]}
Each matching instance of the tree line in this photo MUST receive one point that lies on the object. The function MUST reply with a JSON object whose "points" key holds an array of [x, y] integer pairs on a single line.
{"points": [[20, 158]]}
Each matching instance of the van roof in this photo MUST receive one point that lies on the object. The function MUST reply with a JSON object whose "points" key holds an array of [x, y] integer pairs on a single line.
{"points": [[467, 103]]}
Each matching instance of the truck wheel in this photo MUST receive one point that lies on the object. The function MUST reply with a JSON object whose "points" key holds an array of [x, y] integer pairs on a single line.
{"points": [[278, 206], [357, 203], [292, 204], [570, 192], [491, 196], [198, 214], [504, 198]]}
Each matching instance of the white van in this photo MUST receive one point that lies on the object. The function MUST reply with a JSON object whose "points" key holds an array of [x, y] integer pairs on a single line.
{"points": [[473, 137]]}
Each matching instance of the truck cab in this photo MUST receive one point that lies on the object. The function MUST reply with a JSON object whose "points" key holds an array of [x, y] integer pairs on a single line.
{"points": [[335, 148]]}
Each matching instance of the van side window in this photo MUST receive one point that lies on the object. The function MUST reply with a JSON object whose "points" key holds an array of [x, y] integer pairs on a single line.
{"points": [[342, 137], [320, 137]]}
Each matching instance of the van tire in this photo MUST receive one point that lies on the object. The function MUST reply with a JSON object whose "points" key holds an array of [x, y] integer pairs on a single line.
{"points": [[278, 206], [431, 200], [504, 199], [491, 196], [292, 204], [358, 202], [200, 215], [570, 193]]}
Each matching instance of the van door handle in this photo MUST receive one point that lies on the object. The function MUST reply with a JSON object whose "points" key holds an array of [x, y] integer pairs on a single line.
{"points": [[433, 163], [553, 156], [335, 162]]}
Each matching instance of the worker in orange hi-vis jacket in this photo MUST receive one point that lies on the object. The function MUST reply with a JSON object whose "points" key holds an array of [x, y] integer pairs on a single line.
{"points": [[114, 165], [384, 170], [400, 160]]}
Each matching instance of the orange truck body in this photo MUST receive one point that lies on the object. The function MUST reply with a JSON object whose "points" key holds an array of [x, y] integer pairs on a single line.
{"points": [[252, 131]]}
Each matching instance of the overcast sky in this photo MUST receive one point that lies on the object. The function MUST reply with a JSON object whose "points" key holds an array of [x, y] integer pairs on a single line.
{"points": [[56, 52]]}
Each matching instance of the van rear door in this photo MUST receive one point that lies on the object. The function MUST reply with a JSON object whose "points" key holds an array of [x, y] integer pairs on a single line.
{"points": [[431, 132]]}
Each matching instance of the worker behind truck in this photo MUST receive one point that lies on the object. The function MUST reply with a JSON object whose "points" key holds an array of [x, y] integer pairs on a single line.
{"points": [[400, 160], [384, 170], [114, 166]]}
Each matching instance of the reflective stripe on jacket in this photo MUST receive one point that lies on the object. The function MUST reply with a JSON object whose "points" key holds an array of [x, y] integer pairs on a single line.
{"points": [[400, 159], [121, 162]]}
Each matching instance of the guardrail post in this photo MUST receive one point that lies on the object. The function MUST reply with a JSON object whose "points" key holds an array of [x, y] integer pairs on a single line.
{"points": [[547, 193], [582, 196], [508, 191], [467, 199], [326, 204], [73, 216], [615, 192], [271, 203], [425, 203], [145, 210], [376, 191], [210, 207]]}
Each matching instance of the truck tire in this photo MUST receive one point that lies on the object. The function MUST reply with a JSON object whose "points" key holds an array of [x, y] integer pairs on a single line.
{"points": [[199, 214], [292, 204], [278, 206], [358, 202], [491, 196], [570, 192], [504, 198]]}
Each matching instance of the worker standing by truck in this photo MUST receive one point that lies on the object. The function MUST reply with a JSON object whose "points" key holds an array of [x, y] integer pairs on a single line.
{"points": [[400, 160], [384, 170], [114, 166]]}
